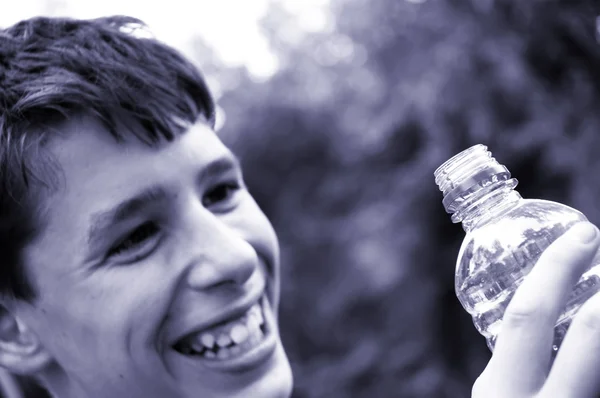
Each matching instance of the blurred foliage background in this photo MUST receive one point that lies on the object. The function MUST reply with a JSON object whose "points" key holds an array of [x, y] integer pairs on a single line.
{"points": [[339, 149]]}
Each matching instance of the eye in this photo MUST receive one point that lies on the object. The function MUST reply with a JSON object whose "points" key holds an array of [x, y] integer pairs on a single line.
{"points": [[221, 194], [136, 239]]}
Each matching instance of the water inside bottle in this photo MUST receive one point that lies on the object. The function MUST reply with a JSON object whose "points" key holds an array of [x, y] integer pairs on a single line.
{"points": [[497, 258]]}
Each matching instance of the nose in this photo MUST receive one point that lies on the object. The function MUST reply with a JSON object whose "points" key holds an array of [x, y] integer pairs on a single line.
{"points": [[220, 254]]}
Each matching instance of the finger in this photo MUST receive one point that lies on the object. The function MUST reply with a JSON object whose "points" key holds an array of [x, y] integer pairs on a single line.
{"points": [[523, 347], [575, 370]]}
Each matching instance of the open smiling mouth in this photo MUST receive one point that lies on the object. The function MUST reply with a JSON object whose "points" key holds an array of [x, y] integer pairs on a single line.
{"points": [[239, 343]]}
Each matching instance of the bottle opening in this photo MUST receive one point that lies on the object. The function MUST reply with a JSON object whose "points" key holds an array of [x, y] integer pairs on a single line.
{"points": [[467, 172]]}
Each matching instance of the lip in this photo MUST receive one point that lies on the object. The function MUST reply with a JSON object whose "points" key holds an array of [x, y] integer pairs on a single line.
{"points": [[249, 361], [234, 312]]}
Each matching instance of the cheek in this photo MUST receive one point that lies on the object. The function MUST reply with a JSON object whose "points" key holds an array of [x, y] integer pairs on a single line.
{"points": [[123, 316], [68, 333], [258, 231], [102, 308], [79, 319]]}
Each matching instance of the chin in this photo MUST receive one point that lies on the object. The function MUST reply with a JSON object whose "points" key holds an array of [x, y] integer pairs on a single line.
{"points": [[278, 382]]}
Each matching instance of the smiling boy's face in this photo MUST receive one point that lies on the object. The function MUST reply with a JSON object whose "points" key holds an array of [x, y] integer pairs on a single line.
{"points": [[157, 273]]}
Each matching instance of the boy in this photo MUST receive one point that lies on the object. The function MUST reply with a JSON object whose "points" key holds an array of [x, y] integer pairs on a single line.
{"points": [[134, 261]]}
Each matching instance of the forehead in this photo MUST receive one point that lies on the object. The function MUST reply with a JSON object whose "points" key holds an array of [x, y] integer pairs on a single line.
{"points": [[86, 146]]}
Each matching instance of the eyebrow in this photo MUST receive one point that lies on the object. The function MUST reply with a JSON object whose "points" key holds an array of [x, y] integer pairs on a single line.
{"points": [[101, 220]]}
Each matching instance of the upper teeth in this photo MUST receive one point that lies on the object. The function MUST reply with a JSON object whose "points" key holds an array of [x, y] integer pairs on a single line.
{"points": [[238, 333], [235, 332], [207, 340]]}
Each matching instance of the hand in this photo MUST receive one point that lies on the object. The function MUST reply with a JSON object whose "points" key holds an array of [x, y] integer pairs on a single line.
{"points": [[520, 365]]}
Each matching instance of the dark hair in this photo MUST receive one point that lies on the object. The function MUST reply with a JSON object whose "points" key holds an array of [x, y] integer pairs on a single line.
{"points": [[54, 68]]}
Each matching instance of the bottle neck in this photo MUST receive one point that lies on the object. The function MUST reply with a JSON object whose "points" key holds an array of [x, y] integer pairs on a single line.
{"points": [[486, 203], [476, 187]]}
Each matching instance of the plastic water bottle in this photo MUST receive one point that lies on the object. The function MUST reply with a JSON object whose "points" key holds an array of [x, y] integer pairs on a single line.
{"points": [[505, 236]]}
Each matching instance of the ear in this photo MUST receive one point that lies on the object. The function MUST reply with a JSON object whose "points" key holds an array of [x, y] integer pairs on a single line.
{"points": [[21, 350]]}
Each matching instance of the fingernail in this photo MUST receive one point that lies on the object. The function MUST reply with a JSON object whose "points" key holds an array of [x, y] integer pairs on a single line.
{"points": [[585, 232]]}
